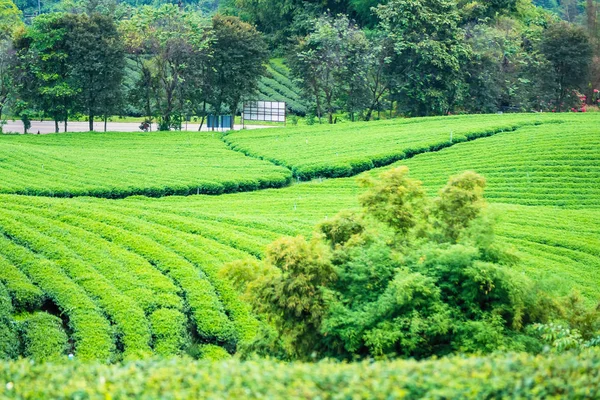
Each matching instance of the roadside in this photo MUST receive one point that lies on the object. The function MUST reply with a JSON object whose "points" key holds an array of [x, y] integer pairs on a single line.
{"points": [[46, 127]]}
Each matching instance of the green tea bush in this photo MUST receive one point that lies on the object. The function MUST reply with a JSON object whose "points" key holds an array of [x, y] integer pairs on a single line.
{"points": [[567, 375], [117, 165], [43, 337], [9, 343], [169, 332], [24, 294]]}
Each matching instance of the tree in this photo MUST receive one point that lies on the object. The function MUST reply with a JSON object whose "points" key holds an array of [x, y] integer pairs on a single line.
{"points": [[328, 62], [97, 60], [10, 20], [237, 63], [395, 280], [428, 53], [43, 67], [568, 49], [163, 40]]}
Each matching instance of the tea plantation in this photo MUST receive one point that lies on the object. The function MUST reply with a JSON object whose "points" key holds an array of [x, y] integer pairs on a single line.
{"points": [[117, 280]]}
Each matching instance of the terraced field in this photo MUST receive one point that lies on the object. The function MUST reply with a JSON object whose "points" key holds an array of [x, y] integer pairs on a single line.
{"points": [[116, 165], [138, 276], [278, 85], [550, 164], [344, 150]]}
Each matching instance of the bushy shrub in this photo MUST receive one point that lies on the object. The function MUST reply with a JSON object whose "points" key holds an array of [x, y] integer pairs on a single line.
{"points": [[9, 344], [407, 276], [43, 337]]}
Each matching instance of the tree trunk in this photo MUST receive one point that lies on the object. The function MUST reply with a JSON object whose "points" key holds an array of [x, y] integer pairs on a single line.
{"points": [[56, 130], [66, 118], [91, 121], [105, 121], [203, 116]]}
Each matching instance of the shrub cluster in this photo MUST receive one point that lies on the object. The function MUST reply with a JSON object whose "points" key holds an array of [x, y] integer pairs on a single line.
{"points": [[405, 277]]}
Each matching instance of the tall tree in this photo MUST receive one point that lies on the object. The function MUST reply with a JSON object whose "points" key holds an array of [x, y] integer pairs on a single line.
{"points": [[97, 59], [163, 39], [429, 50], [327, 62], [43, 67], [568, 49], [237, 63]]}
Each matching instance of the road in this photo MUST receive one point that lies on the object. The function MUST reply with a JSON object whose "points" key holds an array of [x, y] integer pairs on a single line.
{"points": [[48, 127]]}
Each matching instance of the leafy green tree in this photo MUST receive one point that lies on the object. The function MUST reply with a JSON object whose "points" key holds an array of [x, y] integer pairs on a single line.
{"points": [[568, 49], [44, 68], [429, 52], [163, 40], [328, 62], [359, 289], [237, 63], [97, 60]]}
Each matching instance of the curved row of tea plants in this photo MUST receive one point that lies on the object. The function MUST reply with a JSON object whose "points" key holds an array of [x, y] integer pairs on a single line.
{"points": [[117, 165], [497, 376], [128, 282], [550, 164], [278, 86], [346, 149]]}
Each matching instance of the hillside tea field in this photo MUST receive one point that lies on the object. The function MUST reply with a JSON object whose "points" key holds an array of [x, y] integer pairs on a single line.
{"points": [[345, 150], [113, 280], [116, 165]]}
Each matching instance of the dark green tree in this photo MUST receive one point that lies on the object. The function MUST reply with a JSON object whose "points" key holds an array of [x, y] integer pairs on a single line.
{"points": [[44, 69], [568, 49], [97, 60], [239, 54], [429, 51]]}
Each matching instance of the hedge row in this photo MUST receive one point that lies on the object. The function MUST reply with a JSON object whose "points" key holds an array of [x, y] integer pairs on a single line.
{"points": [[43, 337], [203, 187], [513, 376], [9, 343], [131, 326], [24, 294], [92, 332]]}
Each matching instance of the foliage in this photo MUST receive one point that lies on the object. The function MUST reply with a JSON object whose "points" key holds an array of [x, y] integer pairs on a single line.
{"points": [[168, 45], [328, 61], [237, 62], [428, 288], [43, 337], [429, 52], [510, 375], [569, 51]]}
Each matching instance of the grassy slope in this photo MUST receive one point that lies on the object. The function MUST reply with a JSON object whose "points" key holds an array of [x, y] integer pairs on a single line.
{"points": [[163, 254]]}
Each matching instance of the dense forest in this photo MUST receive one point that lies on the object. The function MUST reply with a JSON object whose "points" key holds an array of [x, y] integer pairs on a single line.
{"points": [[349, 60]]}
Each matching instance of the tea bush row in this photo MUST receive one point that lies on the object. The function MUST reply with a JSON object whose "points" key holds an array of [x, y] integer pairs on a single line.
{"points": [[347, 149], [117, 165], [567, 375], [550, 164]]}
